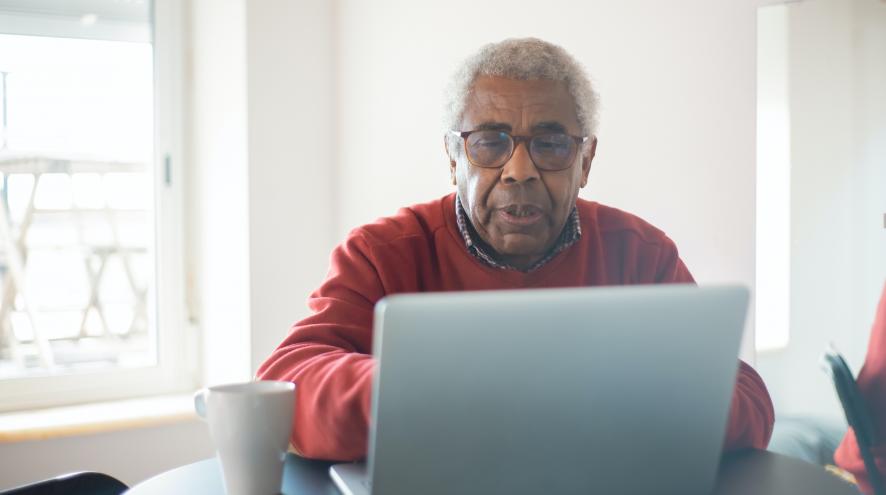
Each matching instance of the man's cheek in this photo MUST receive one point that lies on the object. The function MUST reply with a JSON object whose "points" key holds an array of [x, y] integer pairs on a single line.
{"points": [[473, 185]]}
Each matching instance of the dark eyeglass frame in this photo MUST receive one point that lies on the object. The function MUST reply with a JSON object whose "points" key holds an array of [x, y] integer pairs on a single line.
{"points": [[517, 139]]}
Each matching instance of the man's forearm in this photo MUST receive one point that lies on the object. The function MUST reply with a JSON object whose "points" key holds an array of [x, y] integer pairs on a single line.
{"points": [[333, 390]]}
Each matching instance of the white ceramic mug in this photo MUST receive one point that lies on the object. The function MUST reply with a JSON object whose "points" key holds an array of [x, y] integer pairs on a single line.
{"points": [[250, 424]]}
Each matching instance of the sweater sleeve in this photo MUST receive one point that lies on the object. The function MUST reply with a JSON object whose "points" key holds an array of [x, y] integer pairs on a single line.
{"points": [[328, 356], [872, 385], [751, 414]]}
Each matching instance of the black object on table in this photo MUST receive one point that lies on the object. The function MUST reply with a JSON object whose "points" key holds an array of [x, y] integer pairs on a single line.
{"points": [[83, 483]]}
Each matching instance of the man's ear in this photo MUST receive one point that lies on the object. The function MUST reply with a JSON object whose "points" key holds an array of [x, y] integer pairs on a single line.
{"points": [[452, 162], [587, 159]]}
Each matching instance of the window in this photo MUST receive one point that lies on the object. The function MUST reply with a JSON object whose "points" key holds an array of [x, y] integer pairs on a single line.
{"points": [[773, 180], [90, 248]]}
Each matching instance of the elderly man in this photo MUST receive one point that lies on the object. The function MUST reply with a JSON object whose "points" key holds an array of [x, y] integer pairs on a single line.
{"points": [[521, 120]]}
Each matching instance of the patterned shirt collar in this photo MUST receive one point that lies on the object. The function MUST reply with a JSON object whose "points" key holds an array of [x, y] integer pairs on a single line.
{"points": [[570, 235]]}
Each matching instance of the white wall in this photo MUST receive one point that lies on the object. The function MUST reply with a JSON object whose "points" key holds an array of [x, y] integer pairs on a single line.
{"points": [[128, 455], [292, 146], [677, 84], [837, 88], [870, 152]]}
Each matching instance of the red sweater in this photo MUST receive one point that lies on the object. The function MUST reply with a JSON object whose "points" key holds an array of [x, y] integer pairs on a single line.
{"points": [[872, 385], [420, 249]]}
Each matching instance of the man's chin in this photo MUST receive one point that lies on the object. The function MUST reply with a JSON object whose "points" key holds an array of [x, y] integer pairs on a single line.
{"points": [[520, 246]]}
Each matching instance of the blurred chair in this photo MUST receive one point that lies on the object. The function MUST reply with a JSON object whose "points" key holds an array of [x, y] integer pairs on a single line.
{"points": [[85, 483], [857, 414], [809, 438]]}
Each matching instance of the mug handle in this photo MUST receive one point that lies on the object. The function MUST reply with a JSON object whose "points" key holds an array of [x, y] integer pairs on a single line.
{"points": [[200, 403]]}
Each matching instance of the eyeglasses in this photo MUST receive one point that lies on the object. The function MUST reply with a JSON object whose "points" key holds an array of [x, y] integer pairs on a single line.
{"points": [[492, 149]]}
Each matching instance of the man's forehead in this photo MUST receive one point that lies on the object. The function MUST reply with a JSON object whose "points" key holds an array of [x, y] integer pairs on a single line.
{"points": [[520, 103]]}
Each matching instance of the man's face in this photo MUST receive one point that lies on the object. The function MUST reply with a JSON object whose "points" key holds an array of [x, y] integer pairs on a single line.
{"points": [[518, 209]]}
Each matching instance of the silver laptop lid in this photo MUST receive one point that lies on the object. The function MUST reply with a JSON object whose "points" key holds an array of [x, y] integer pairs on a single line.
{"points": [[608, 390]]}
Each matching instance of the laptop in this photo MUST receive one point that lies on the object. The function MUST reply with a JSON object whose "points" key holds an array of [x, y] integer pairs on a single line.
{"points": [[615, 390]]}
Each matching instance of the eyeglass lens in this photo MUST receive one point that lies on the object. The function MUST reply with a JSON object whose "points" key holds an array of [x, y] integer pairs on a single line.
{"points": [[552, 151]]}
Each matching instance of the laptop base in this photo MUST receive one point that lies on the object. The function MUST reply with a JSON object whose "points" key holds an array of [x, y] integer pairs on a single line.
{"points": [[351, 478]]}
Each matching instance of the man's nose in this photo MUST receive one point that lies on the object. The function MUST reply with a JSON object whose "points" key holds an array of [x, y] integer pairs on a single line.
{"points": [[520, 167]]}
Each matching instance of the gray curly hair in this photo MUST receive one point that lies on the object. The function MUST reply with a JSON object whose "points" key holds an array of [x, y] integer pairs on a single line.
{"points": [[523, 58]]}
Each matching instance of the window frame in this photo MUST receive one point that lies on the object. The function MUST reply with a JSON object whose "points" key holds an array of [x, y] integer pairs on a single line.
{"points": [[178, 362]]}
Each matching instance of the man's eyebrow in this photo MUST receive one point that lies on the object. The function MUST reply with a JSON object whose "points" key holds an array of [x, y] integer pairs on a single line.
{"points": [[549, 126], [492, 126], [546, 126]]}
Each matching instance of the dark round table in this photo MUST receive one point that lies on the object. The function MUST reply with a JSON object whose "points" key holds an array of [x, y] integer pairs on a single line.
{"points": [[744, 473]]}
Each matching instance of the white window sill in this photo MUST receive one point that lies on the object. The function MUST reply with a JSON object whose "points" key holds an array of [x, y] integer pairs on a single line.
{"points": [[85, 419], [766, 350]]}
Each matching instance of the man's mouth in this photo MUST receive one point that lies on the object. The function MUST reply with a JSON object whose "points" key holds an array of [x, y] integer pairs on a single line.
{"points": [[521, 214]]}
